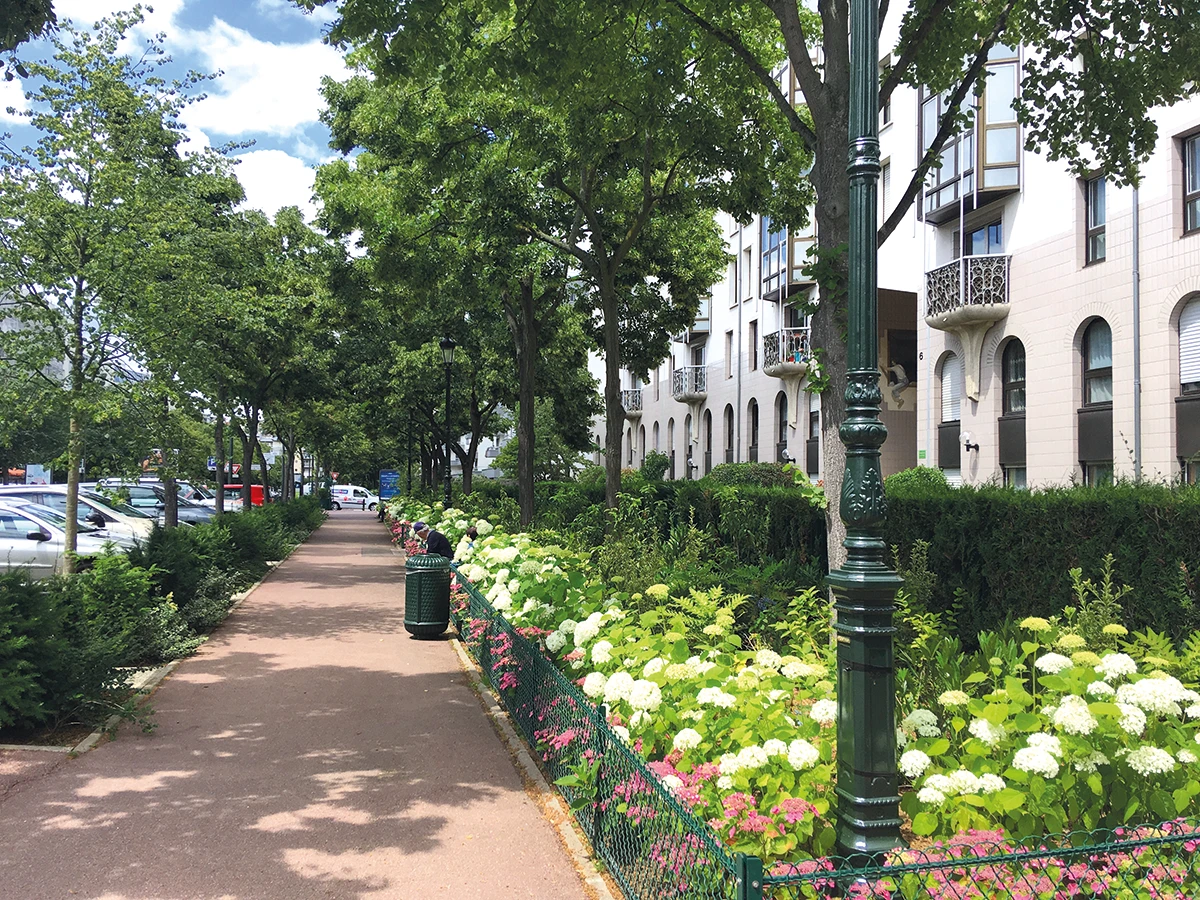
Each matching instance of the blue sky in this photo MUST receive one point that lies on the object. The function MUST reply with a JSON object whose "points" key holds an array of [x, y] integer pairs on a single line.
{"points": [[273, 61]]}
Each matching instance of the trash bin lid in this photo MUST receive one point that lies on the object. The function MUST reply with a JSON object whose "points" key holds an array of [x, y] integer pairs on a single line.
{"points": [[427, 561]]}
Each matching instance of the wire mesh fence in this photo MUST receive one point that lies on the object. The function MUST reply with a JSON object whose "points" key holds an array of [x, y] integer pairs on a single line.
{"points": [[654, 847]]}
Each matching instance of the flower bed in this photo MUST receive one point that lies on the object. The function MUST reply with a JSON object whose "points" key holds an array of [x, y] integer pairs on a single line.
{"points": [[743, 739]]}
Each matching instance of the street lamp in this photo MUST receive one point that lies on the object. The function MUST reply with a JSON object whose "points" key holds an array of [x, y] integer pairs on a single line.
{"points": [[447, 345], [864, 587]]}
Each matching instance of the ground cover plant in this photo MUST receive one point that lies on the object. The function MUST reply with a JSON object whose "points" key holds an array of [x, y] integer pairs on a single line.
{"points": [[1073, 724], [67, 644]]}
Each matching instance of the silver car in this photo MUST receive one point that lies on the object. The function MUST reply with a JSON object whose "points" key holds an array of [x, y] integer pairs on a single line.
{"points": [[32, 537], [119, 519]]}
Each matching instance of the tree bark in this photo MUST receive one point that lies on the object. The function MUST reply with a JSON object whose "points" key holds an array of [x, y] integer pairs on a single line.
{"points": [[523, 325], [170, 493], [614, 412], [75, 436], [266, 472], [219, 434]]}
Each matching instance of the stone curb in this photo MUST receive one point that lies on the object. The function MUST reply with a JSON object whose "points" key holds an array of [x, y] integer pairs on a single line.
{"points": [[578, 850]]}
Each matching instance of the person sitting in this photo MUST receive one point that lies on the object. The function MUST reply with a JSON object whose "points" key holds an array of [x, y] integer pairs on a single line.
{"points": [[435, 541]]}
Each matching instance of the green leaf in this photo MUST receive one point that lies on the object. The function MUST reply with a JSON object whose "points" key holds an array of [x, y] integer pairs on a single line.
{"points": [[1009, 799], [1027, 722], [680, 651], [975, 678], [1096, 784], [924, 823]]}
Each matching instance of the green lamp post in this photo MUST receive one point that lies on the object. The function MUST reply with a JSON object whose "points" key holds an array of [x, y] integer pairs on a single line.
{"points": [[868, 819]]}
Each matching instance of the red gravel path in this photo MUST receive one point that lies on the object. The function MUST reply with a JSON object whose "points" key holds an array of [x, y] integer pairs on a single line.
{"points": [[309, 749]]}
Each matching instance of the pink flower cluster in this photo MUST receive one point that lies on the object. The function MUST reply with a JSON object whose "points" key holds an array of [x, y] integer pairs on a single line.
{"points": [[689, 792], [678, 855]]}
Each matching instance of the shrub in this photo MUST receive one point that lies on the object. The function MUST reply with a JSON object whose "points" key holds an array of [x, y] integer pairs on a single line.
{"points": [[762, 474], [31, 645], [655, 465]]}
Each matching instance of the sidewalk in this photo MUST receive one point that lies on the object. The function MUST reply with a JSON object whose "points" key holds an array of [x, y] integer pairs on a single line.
{"points": [[310, 749]]}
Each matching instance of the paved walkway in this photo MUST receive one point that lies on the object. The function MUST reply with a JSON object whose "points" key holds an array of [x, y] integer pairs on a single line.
{"points": [[309, 749]]}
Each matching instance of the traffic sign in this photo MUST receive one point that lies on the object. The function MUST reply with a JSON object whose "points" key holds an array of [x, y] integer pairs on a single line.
{"points": [[212, 463]]}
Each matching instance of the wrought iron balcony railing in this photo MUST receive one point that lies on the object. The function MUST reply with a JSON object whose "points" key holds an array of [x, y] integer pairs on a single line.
{"points": [[971, 281], [689, 381], [631, 400], [785, 350]]}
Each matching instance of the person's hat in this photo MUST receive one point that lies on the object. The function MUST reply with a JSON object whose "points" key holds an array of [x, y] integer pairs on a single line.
{"points": [[419, 526]]}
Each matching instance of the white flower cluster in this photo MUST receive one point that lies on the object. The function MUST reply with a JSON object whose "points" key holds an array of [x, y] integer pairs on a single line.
{"points": [[1115, 665], [1039, 756], [802, 755], [824, 712], [645, 695], [593, 684], [768, 659], [913, 763], [601, 652], [588, 629], [1161, 695], [530, 567], [1133, 720], [954, 698], [1186, 756], [1073, 716], [775, 747], [1149, 760], [987, 732], [938, 788], [687, 739], [795, 671], [923, 722], [653, 667], [1091, 762], [484, 527], [716, 697], [555, 641], [1053, 663], [618, 687], [1100, 689]]}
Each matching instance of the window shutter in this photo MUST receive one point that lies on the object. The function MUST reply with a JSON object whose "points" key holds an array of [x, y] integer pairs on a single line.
{"points": [[952, 376], [1189, 343]]}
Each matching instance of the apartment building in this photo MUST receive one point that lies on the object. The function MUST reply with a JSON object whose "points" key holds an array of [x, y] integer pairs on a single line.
{"points": [[1034, 327]]}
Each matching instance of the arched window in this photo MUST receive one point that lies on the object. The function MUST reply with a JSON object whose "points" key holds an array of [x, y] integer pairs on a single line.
{"points": [[1012, 422], [781, 425], [752, 419], [629, 446], [1187, 406], [655, 433], [812, 447], [642, 443], [1096, 416], [671, 447], [708, 441], [952, 379], [729, 435], [1097, 364], [1013, 377]]}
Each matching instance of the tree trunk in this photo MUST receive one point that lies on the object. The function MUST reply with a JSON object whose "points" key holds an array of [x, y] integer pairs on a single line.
{"points": [[219, 458], [523, 325], [266, 472], [75, 436], [614, 412], [829, 322], [170, 493], [249, 440]]}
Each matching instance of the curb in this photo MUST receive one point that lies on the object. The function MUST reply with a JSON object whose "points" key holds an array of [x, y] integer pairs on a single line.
{"points": [[576, 848]]}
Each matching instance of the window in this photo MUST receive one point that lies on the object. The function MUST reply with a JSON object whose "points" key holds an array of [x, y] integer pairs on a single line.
{"points": [[754, 346], [753, 423], [1094, 196], [655, 433], [1097, 364], [698, 355], [885, 114], [1097, 474], [885, 189], [747, 291], [983, 240], [952, 377], [729, 354], [1189, 348], [657, 386], [1191, 184], [1014, 477], [1013, 378], [629, 445]]}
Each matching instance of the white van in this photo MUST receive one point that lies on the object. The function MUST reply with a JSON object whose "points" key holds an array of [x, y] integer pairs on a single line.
{"points": [[351, 496]]}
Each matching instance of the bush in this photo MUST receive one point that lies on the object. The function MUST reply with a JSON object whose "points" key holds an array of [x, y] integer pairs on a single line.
{"points": [[761, 474], [655, 465], [31, 646]]}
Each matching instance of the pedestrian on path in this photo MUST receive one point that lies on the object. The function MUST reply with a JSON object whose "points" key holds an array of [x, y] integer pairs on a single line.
{"points": [[435, 541]]}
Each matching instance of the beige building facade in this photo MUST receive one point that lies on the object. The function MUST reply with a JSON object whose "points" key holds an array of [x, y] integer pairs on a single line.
{"points": [[1035, 328]]}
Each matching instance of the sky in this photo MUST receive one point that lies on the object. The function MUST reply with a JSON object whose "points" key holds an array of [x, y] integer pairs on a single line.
{"points": [[273, 61]]}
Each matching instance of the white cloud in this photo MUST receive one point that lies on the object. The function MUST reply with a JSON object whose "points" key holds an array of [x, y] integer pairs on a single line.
{"points": [[12, 93], [274, 179], [266, 88], [281, 9]]}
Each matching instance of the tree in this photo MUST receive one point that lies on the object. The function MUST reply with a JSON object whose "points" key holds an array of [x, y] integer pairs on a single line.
{"points": [[85, 211], [618, 123], [20, 21], [559, 455]]}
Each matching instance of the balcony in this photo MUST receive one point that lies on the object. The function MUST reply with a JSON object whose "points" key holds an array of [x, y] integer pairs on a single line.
{"points": [[631, 400], [689, 384], [787, 353], [966, 298]]}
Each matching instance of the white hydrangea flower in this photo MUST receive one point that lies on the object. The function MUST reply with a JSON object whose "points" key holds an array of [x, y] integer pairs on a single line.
{"points": [[901, 738], [503, 602], [618, 687], [989, 784], [775, 747], [775, 696], [1100, 689], [1193, 711], [824, 712], [913, 763], [653, 667], [752, 757], [1116, 665], [585, 631], [802, 755], [529, 567], [502, 575], [692, 715], [938, 782], [593, 685], [687, 739], [728, 764], [931, 796], [645, 695], [1133, 720], [1149, 760], [567, 626], [1186, 756], [794, 671], [672, 782], [484, 527], [701, 666], [1160, 696], [923, 721], [954, 698], [555, 641], [725, 783], [1073, 716], [1089, 763], [678, 672], [1053, 663], [963, 781], [576, 664], [1035, 761], [601, 652], [768, 659], [506, 555], [622, 732], [716, 697], [1047, 742], [639, 718]]}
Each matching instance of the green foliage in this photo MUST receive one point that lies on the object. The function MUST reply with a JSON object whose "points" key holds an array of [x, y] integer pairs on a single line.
{"points": [[1097, 605], [922, 479], [655, 465], [761, 474], [553, 456], [31, 645]]}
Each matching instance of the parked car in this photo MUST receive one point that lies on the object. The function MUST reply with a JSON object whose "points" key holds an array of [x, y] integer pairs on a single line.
{"points": [[58, 519], [256, 493], [152, 498], [351, 495], [32, 537], [119, 519]]}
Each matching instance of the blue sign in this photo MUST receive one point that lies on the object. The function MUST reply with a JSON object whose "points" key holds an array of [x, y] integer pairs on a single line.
{"points": [[389, 484], [212, 463]]}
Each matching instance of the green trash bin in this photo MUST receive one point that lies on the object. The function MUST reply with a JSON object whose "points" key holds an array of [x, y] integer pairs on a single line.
{"points": [[426, 595]]}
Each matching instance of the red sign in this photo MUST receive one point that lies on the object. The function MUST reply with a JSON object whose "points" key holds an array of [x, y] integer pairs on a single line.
{"points": [[237, 468], [334, 475]]}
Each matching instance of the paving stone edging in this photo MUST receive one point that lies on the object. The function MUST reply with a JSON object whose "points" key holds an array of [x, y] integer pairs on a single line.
{"points": [[581, 856]]}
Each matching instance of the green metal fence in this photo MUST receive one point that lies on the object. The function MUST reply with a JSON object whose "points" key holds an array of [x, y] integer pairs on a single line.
{"points": [[653, 847]]}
